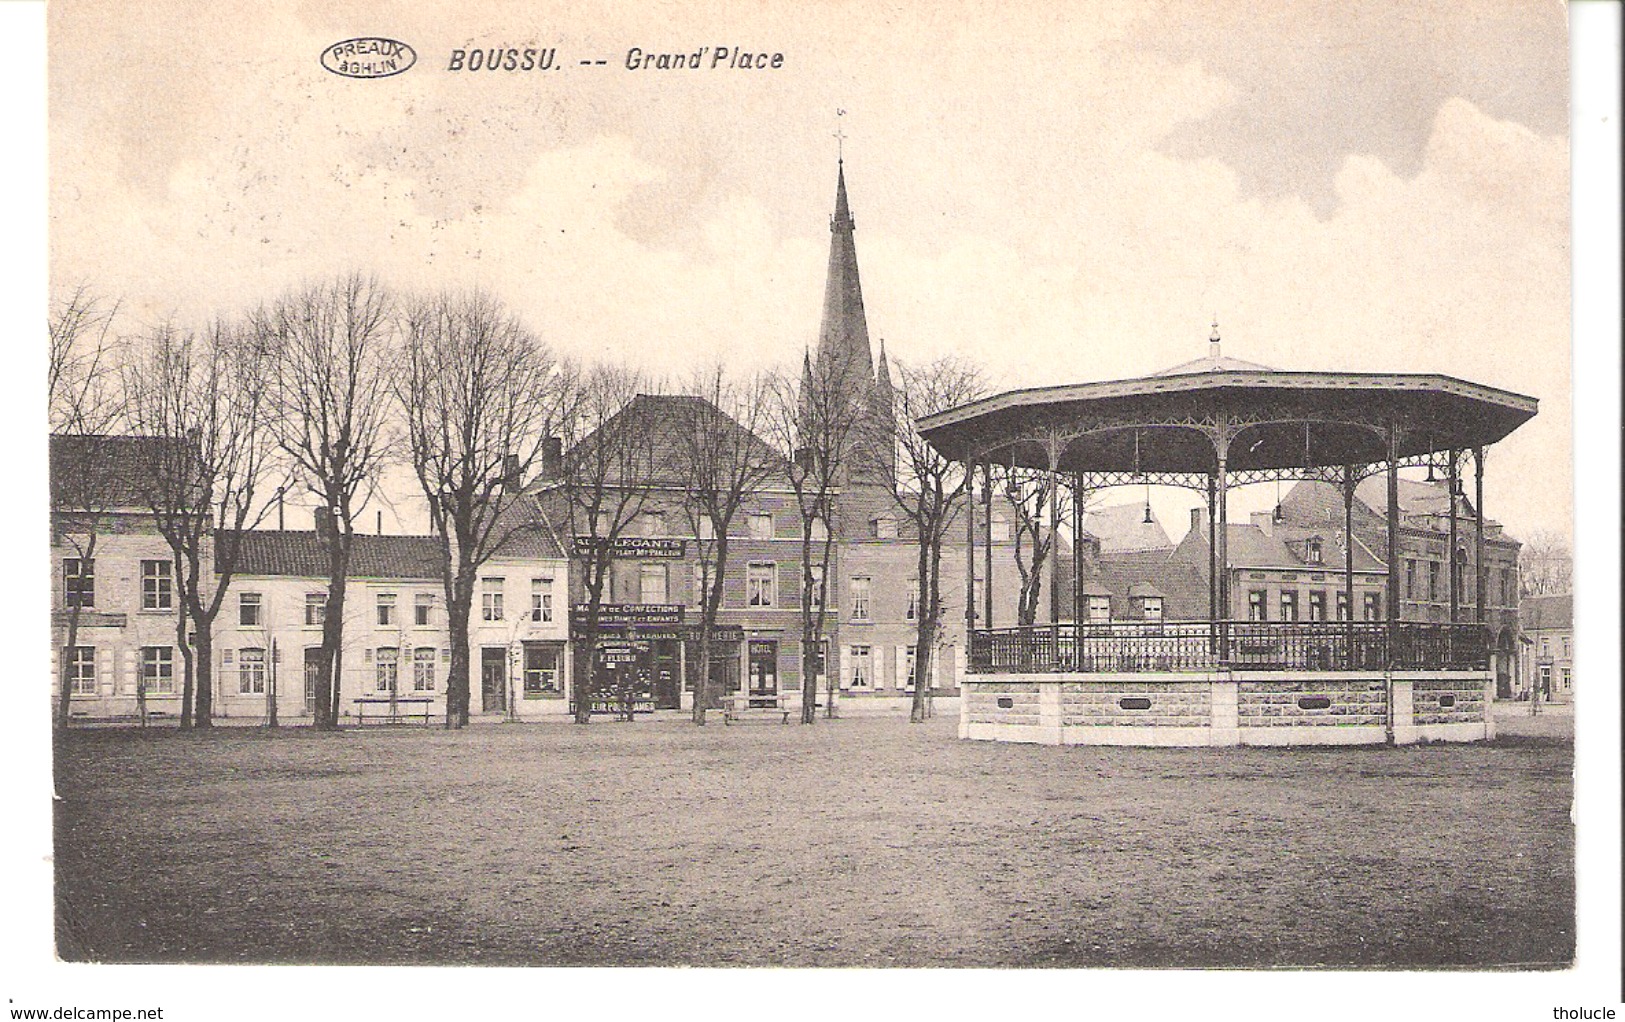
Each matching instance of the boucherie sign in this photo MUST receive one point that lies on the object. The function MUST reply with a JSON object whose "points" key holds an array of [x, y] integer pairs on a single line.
{"points": [[632, 546]]}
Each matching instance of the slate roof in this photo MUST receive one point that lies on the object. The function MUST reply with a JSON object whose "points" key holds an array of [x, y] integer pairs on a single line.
{"points": [[1183, 586], [101, 473], [1547, 612], [1122, 528], [300, 555], [663, 416]]}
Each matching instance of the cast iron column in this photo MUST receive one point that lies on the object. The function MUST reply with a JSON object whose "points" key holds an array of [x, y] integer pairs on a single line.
{"points": [[1393, 539], [987, 547], [970, 553], [1350, 661], [1077, 549], [1222, 546], [1452, 481], [1482, 569]]}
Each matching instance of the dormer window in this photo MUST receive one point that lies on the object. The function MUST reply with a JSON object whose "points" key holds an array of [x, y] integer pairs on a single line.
{"points": [[1151, 608], [1312, 550]]}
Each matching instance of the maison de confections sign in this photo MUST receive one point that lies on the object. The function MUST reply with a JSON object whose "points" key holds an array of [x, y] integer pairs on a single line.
{"points": [[633, 546], [630, 613]]}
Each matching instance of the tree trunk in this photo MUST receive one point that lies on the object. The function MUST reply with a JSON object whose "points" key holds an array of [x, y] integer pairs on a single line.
{"points": [[327, 683], [188, 670], [708, 621], [205, 675], [459, 608], [809, 641], [926, 635], [586, 682]]}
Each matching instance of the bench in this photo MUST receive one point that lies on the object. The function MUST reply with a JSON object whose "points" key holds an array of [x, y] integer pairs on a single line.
{"points": [[401, 708], [740, 710]]}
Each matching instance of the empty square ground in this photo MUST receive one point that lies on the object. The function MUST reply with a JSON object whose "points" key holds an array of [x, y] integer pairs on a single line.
{"points": [[852, 842]]}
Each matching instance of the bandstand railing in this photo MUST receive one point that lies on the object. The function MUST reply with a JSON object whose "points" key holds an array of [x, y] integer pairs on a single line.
{"points": [[1184, 646]]}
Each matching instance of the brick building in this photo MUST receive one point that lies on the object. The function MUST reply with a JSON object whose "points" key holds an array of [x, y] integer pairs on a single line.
{"points": [[1548, 641], [113, 570]]}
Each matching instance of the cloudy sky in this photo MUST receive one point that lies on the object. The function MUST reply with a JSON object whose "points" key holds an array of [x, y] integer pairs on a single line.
{"points": [[1063, 192]]}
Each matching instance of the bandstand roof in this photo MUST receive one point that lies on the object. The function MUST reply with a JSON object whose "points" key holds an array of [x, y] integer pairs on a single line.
{"points": [[1165, 423]]}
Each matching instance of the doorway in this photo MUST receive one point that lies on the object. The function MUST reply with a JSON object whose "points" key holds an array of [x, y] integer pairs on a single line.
{"points": [[313, 673], [764, 672], [493, 679]]}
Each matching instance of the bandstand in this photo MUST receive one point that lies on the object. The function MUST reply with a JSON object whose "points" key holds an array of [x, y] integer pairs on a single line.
{"points": [[1212, 425]]}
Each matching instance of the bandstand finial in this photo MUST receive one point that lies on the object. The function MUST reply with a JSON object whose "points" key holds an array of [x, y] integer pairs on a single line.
{"points": [[1213, 338]]}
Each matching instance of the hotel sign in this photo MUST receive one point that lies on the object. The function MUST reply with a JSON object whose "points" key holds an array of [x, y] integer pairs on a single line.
{"points": [[633, 546]]}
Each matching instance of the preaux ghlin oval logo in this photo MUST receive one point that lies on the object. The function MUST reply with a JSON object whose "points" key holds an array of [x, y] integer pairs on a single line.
{"points": [[369, 57]]}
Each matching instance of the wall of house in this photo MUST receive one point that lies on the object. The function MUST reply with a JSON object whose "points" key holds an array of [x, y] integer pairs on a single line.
{"points": [[118, 628]]}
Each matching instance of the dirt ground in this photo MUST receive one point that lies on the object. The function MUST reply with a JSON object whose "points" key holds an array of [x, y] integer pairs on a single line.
{"points": [[852, 842]]}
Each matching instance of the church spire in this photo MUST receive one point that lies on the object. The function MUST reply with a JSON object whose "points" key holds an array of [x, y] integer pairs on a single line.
{"points": [[843, 334]]}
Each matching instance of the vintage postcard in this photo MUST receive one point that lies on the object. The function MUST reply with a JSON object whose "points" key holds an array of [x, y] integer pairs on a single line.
{"points": [[1076, 488]]}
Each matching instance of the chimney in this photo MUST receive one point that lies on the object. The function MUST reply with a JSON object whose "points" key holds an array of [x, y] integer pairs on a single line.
{"points": [[324, 523], [279, 508], [1198, 526], [552, 457], [1263, 521], [510, 472], [380, 522]]}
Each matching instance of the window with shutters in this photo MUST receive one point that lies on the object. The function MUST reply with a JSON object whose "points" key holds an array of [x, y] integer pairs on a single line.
{"points": [[861, 672], [387, 667], [423, 666], [81, 668], [251, 671]]}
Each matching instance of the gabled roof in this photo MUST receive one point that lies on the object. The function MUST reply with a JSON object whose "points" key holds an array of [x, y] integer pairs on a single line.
{"points": [[100, 473], [1546, 612], [300, 555], [1182, 585], [1122, 528], [1249, 547], [661, 418]]}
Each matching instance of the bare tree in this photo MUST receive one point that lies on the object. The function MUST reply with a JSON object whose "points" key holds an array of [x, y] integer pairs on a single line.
{"points": [[1545, 564], [332, 345], [82, 372], [482, 396], [85, 403], [608, 432], [815, 421], [1027, 491], [203, 403], [928, 489], [723, 463]]}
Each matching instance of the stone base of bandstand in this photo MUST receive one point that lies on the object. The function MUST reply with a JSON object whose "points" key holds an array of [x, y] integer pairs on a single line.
{"points": [[1228, 708]]}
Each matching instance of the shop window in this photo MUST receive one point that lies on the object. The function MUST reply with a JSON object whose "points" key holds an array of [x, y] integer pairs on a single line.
{"points": [[541, 671]]}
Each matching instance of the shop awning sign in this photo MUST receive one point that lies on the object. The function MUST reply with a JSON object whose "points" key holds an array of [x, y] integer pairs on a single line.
{"points": [[633, 546]]}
